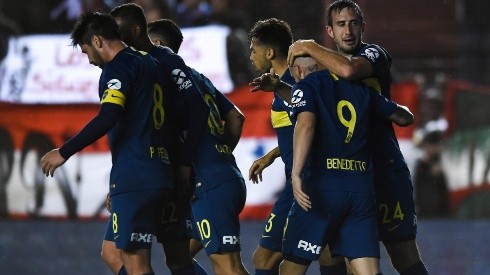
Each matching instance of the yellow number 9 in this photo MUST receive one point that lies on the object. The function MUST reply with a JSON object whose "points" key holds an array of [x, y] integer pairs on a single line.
{"points": [[350, 124]]}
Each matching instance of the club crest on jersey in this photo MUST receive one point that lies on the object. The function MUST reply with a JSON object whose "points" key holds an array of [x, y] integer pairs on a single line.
{"points": [[114, 84], [180, 79], [371, 53], [297, 98]]}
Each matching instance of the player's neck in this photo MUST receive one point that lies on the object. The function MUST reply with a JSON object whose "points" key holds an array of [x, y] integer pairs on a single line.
{"points": [[144, 44], [280, 66], [112, 49]]}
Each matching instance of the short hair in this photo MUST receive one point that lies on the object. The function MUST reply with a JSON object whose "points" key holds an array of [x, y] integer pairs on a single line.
{"points": [[131, 13], [169, 31], [94, 23], [339, 5], [275, 33]]}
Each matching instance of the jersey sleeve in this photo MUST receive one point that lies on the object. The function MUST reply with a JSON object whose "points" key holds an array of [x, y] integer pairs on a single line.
{"points": [[302, 99], [115, 84], [378, 57], [101, 124], [383, 107]]}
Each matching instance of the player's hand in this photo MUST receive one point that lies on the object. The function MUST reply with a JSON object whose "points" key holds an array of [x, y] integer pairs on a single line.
{"points": [[266, 82], [108, 203], [50, 161], [301, 198], [255, 171], [298, 48]]}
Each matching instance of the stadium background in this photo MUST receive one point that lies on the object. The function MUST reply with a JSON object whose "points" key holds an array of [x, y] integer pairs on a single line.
{"points": [[48, 92]]}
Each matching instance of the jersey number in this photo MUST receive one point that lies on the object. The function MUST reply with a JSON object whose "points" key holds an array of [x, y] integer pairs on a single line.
{"points": [[158, 111], [204, 229], [114, 223], [214, 119], [397, 214], [268, 226], [351, 123], [168, 214]]}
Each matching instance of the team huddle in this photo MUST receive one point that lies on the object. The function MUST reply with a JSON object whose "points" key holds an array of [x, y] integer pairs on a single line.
{"points": [[172, 135]]}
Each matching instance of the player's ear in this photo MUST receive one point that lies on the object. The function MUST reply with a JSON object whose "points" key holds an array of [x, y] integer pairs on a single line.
{"points": [[330, 31], [270, 53], [136, 30], [96, 41]]}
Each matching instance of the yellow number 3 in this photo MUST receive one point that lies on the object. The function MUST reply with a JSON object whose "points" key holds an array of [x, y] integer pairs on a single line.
{"points": [[351, 123]]}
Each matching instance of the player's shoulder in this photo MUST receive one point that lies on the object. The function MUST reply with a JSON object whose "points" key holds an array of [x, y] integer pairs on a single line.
{"points": [[374, 52]]}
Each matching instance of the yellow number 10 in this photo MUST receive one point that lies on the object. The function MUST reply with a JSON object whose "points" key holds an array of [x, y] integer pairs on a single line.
{"points": [[350, 124]]}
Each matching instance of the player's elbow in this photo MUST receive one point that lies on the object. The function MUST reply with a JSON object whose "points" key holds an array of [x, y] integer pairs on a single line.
{"points": [[348, 72], [403, 117]]}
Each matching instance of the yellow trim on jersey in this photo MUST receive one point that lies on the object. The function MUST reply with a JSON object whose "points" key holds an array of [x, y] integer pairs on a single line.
{"points": [[280, 119], [373, 83], [113, 96], [334, 76]]}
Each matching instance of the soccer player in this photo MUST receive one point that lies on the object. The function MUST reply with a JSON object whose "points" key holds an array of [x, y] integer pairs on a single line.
{"points": [[136, 113], [269, 42], [356, 60], [212, 128], [332, 170]]}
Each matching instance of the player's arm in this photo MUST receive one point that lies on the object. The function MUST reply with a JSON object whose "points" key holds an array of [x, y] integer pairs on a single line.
{"points": [[402, 116], [304, 131], [232, 117], [350, 68], [389, 109], [269, 82], [233, 127], [106, 119], [255, 171]]}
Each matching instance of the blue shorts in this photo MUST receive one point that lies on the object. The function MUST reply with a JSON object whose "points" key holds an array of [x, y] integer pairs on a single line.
{"points": [[397, 219], [274, 228], [135, 217], [344, 220], [216, 216], [176, 219]]}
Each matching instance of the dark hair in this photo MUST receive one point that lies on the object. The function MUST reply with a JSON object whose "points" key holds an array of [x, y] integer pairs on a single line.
{"points": [[339, 5], [132, 14], [94, 23], [274, 33], [169, 31]]}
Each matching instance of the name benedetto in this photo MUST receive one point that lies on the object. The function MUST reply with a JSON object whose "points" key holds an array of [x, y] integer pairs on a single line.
{"points": [[346, 164]]}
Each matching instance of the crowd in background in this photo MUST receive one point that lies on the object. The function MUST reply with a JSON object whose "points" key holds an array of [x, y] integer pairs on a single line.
{"points": [[59, 16]]}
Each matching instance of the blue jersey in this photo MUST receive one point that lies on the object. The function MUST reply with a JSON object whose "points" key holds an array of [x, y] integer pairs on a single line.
{"points": [[343, 110], [214, 162], [281, 122], [187, 95], [138, 141], [383, 144]]}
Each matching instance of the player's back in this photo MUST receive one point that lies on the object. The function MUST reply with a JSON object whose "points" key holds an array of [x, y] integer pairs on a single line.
{"points": [[214, 163], [139, 141], [343, 110]]}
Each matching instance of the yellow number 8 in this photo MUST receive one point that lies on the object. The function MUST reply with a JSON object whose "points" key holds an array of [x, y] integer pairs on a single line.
{"points": [[158, 111]]}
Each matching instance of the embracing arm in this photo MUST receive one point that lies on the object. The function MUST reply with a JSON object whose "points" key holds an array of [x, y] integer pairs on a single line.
{"points": [[402, 116], [350, 68]]}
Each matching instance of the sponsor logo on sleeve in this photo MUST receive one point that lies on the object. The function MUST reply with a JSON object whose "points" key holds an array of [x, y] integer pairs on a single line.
{"points": [[181, 80], [297, 99], [114, 84], [371, 53]]}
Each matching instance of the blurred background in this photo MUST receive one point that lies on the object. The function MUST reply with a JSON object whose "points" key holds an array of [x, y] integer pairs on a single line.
{"points": [[48, 91]]}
